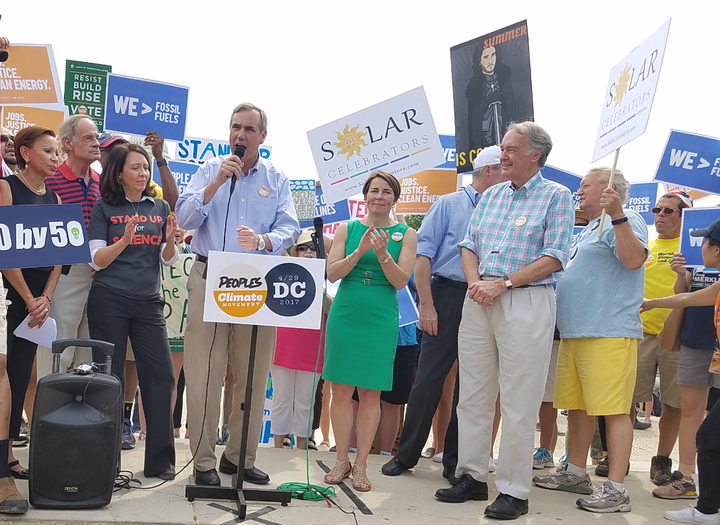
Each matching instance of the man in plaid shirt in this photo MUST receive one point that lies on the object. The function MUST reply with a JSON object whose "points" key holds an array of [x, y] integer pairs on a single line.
{"points": [[517, 240]]}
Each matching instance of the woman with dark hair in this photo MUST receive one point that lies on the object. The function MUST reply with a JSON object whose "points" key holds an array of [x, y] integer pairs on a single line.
{"points": [[30, 290], [130, 233], [374, 257]]}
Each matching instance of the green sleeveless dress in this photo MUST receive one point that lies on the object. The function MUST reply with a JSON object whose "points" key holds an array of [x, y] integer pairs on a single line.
{"points": [[362, 328]]}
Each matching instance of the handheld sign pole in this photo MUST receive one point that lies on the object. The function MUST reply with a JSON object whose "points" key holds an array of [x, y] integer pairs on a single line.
{"points": [[610, 185]]}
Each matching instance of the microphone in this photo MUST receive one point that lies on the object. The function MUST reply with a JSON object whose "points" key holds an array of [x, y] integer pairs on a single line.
{"points": [[318, 238], [239, 152]]}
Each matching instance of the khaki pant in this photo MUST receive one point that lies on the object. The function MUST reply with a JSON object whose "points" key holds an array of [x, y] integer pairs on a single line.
{"points": [[208, 347]]}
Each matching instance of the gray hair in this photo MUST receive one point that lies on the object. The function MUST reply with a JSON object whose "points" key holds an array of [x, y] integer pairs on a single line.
{"points": [[68, 129], [538, 138], [476, 173], [246, 106], [620, 184]]}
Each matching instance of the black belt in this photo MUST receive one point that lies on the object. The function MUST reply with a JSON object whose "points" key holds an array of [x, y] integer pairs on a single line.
{"points": [[450, 282], [201, 258]]}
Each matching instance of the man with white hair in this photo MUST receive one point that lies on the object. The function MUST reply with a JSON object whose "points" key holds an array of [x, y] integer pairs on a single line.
{"points": [[441, 286], [516, 243]]}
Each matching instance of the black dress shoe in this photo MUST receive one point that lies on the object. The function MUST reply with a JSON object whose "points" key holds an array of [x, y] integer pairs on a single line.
{"points": [[393, 467], [256, 476], [165, 474], [226, 466], [506, 507], [207, 477], [449, 474], [466, 488]]}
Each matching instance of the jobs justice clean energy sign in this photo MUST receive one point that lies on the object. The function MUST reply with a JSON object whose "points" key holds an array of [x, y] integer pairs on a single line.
{"points": [[691, 160], [695, 219], [137, 106], [34, 236], [397, 135], [630, 93], [264, 290]]}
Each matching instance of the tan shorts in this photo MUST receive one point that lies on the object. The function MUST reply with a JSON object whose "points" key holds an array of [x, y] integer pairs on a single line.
{"points": [[651, 358]]}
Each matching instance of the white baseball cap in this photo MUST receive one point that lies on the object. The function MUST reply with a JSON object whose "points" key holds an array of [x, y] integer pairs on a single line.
{"points": [[489, 156]]}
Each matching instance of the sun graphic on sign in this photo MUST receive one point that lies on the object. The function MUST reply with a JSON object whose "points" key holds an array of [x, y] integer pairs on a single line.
{"points": [[622, 85], [349, 141]]}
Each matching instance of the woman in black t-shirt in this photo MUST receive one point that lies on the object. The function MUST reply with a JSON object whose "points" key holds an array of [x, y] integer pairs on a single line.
{"points": [[30, 290], [128, 231]]}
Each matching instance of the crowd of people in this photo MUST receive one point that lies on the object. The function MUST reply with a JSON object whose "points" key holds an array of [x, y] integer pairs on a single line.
{"points": [[496, 270]]}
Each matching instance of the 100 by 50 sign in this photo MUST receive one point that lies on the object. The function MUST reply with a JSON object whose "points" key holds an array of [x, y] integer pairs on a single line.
{"points": [[44, 235]]}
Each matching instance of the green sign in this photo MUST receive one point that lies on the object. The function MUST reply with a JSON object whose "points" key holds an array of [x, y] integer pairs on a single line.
{"points": [[85, 86]]}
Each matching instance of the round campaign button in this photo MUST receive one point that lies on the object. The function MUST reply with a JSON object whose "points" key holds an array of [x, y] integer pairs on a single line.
{"points": [[520, 221], [397, 236], [291, 289]]}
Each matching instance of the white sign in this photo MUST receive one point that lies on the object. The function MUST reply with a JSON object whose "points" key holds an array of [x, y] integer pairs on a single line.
{"points": [[195, 149], [397, 135], [264, 290], [630, 94]]}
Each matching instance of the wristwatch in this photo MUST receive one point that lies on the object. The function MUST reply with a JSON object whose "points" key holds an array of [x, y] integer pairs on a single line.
{"points": [[261, 243], [386, 259], [161, 163], [508, 282]]}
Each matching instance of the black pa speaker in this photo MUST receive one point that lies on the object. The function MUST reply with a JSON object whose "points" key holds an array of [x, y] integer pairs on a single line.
{"points": [[76, 435]]}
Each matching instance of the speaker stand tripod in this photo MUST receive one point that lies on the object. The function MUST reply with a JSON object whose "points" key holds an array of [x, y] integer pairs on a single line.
{"points": [[237, 493]]}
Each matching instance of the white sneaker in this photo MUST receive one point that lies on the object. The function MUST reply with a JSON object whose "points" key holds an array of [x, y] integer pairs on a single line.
{"points": [[437, 458], [692, 515], [491, 464]]}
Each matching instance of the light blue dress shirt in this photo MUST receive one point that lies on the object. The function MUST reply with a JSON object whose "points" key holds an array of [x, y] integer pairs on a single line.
{"points": [[261, 201], [442, 230]]}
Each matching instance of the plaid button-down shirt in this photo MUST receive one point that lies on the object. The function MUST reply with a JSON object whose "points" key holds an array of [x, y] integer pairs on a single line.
{"points": [[511, 228]]}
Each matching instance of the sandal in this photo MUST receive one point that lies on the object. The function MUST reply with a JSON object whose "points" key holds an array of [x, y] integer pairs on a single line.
{"points": [[360, 480], [311, 444], [18, 474], [339, 472], [287, 442]]}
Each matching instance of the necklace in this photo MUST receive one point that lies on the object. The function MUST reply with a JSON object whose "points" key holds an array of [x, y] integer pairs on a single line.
{"points": [[137, 210], [36, 192]]}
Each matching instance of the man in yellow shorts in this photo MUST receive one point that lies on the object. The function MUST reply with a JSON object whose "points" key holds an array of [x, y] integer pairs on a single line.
{"points": [[598, 297]]}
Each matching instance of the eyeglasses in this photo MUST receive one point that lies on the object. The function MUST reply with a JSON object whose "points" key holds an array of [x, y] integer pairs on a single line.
{"points": [[306, 247], [667, 211], [7, 138]]}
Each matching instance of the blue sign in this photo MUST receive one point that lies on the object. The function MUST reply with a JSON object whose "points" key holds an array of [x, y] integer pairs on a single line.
{"points": [[330, 213], [195, 149], [182, 171], [448, 145], [567, 179], [407, 307], [694, 219], [42, 235], [642, 198], [691, 160], [137, 106]]}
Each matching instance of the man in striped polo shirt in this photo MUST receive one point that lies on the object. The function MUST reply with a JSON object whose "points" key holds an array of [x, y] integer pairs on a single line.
{"points": [[75, 182]]}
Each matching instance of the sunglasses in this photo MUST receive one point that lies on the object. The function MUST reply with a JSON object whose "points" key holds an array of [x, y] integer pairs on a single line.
{"points": [[7, 138], [667, 211], [306, 247]]}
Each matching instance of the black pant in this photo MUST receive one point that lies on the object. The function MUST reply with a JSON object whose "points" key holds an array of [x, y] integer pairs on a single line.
{"points": [[437, 355], [20, 352], [708, 460], [113, 318]]}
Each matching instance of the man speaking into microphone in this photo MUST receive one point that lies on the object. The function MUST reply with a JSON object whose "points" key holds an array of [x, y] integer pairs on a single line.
{"points": [[235, 203]]}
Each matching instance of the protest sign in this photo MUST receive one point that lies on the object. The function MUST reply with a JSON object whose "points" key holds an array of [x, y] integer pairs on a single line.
{"points": [[173, 281], [491, 88], [448, 146], [691, 160], [693, 194], [303, 195], [332, 213], [29, 76], [182, 172], [641, 198], [137, 106], [567, 179], [264, 290], [420, 191], [16, 118], [85, 90], [695, 219], [407, 308], [194, 149], [397, 135], [34, 236], [630, 93]]}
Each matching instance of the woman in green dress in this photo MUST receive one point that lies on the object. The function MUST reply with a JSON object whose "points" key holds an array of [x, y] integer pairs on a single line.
{"points": [[374, 257]]}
